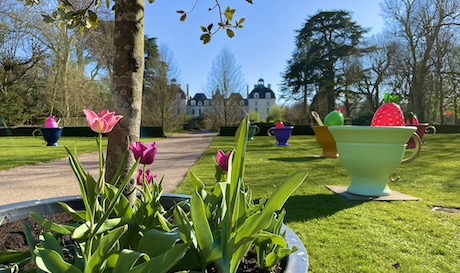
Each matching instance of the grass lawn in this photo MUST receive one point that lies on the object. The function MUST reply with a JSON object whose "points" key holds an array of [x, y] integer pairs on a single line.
{"points": [[20, 151], [356, 236]]}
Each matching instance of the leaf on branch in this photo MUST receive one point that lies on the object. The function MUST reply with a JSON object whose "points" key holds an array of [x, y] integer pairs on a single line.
{"points": [[47, 19], [204, 29], [183, 17], [249, 1], [230, 33], [92, 19], [210, 27], [180, 11], [151, 1], [229, 13], [206, 38]]}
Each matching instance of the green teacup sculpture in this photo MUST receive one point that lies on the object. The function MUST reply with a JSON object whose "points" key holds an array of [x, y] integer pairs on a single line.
{"points": [[370, 154]]}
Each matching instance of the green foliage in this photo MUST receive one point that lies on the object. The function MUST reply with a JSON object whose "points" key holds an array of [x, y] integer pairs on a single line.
{"points": [[254, 116], [219, 225], [226, 220], [369, 236], [276, 114]]}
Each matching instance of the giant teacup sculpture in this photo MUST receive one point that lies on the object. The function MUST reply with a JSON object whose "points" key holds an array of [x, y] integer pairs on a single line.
{"points": [[324, 138], [51, 131], [281, 132], [370, 154], [422, 128]]}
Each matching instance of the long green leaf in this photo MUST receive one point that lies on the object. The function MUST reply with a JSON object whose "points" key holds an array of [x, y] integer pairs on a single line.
{"points": [[123, 208], [50, 261], [155, 242], [81, 178], [128, 259], [184, 226], [13, 256], [59, 228], [105, 245], [201, 224], [76, 215], [48, 241]]}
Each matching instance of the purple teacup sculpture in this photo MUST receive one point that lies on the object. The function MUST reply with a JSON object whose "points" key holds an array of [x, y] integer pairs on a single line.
{"points": [[282, 135]]}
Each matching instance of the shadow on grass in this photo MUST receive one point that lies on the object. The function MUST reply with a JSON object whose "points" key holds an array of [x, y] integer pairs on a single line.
{"points": [[309, 207], [297, 159]]}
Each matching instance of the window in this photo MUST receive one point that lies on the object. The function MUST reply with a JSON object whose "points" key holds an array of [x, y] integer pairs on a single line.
{"points": [[193, 102], [206, 102], [268, 104], [268, 96], [256, 95], [256, 104], [199, 111], [193, 112], [200, 103], [268, 111]]}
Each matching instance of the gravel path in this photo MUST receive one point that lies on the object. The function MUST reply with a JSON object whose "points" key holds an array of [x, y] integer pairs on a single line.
{"points": [[176, 155]]}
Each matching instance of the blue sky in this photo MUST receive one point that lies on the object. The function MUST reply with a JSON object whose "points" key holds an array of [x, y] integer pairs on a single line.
{"points": [[262, 47]]}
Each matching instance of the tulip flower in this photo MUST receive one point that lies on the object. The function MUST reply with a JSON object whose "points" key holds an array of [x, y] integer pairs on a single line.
{"points": [[102, 122], [146, 154], [148, 177], [222, 160]]}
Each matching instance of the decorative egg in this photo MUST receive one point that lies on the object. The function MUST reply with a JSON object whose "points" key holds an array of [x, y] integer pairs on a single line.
{"points": [[279, 125], [334, 118]]}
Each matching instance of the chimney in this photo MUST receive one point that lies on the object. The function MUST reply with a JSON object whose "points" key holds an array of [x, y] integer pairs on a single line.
{"points": [[269, 86], [188, 91]]}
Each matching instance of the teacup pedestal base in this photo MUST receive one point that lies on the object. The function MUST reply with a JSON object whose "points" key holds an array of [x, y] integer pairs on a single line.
{"points": [[326, 141]]}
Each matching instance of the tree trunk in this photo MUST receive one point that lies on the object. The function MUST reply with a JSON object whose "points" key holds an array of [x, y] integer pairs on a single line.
{"points": [[127, 84]]}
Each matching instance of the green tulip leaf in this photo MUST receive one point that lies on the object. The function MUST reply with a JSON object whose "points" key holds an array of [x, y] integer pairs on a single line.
{"points": [[105, 245], [122, 209], [51, 262], [13, 256], [201, 224], [76, 215], [155, 242], [48, 241], [58, 228]]}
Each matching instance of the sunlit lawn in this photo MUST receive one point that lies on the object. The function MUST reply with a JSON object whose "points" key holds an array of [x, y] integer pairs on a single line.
{"points": [[357, 236], [19, 151]]}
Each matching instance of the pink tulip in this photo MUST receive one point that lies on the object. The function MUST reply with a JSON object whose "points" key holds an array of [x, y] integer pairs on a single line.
{"points": [[102, 122], [145, 153], [222, 160], [148, 177]]}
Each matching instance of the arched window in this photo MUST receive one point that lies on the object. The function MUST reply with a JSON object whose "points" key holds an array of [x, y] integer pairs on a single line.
{"points": [[256, 95], [268, 96], [200, 103], [192, 102]]}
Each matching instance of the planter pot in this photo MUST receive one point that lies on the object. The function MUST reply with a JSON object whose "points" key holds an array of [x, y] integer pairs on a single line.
{"points": [[371, 154], [50, 135], [296, 262], [253, 130], [282, 135], [326, 141], [422, 128]]}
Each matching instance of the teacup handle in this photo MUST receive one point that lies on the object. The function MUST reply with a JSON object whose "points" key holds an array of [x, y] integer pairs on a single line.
{"points": [[270, 132], [36, 132], [317, 118], [431, 127], [418, 147], [257, 130]]}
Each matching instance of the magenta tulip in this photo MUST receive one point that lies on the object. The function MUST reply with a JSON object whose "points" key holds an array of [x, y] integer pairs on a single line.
{"points": [[146, 154], [222, 160], [148, 177], [102, 122]]}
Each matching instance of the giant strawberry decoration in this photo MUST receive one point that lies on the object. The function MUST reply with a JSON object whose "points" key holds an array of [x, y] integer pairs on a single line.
{"points": [[389, 113], [412, 119]]}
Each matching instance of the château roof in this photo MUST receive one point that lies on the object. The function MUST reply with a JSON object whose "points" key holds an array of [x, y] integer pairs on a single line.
{"points": [[261, 90]]}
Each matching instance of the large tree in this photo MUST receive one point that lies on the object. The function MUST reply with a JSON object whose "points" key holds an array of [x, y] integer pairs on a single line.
{"points": [[419, 24], [326, 39], [128, 67], [225, 83]]}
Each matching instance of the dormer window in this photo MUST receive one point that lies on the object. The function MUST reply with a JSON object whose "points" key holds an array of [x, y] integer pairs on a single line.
{"points": [[268, 96], [192, 102], [256, 95], [200, 103]]}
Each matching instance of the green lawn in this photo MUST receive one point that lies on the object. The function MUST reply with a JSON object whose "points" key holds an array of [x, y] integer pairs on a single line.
{"points": [[19, 151], [356, 236]]}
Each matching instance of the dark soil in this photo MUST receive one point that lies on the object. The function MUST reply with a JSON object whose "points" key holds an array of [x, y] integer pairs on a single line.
{"points": [[12, 237]]}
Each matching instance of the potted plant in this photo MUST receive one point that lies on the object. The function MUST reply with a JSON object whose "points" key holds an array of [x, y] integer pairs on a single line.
{"points": [[213, 229]]}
